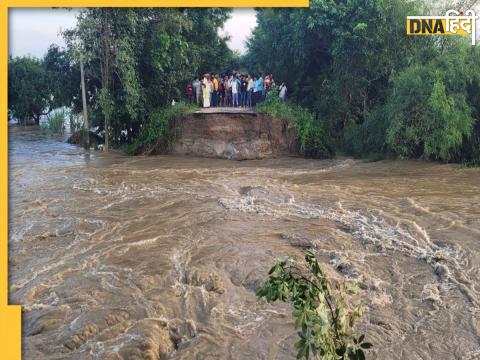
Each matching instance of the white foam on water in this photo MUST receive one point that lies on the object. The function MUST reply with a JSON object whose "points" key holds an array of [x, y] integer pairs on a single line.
{"points": [[368, 227], [145, 241]]}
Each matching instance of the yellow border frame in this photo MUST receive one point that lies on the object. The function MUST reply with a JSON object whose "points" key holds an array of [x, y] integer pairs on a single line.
{"points": [[10, 315]]}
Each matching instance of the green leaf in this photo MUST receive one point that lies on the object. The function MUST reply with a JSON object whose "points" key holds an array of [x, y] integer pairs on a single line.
{"points": [[360, 354], [341, 350], [360, 27]]}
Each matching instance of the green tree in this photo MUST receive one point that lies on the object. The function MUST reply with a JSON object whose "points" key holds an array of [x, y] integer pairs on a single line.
{"points": [[375, 89], [38, 86], [106, 37], [429, 112], [137, 60], [63, 77], [29, 93]]}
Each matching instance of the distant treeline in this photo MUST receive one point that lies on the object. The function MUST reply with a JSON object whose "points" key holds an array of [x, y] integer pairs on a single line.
{"points": [[374, 90], [366, 88]]}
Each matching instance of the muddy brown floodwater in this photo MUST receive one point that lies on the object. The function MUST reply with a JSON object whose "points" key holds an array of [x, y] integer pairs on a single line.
{"points": [[145, 258]]}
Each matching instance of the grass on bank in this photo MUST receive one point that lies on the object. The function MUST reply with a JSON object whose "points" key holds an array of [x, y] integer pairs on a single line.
{"points": [[313, 138], [54, 123], [160, 130]]}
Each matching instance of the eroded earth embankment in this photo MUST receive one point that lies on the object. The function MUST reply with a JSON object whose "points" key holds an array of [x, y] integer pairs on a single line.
{"points": [[240, 135]]}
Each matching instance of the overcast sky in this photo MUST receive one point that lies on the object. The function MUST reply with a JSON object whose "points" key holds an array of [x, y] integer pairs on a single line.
{"points": [[239, 27], [31, 31]]}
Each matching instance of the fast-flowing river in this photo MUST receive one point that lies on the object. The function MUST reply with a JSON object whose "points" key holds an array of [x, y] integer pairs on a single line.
{"points": [[117, 257]]}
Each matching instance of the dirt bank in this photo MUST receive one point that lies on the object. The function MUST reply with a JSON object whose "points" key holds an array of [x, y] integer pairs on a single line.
{"points": [[229, 135]]}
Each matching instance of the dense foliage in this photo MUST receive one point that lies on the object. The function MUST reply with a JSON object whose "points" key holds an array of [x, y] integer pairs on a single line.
{"points": [[313, 138], [159, 133], [431, 111], [38, 86], [28, 94], [322, 315], [378, 90]]}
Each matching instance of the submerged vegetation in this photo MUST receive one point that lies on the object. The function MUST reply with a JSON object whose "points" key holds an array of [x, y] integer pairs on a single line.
{"points": [[54, 123], [324, 319], [75, 121]]}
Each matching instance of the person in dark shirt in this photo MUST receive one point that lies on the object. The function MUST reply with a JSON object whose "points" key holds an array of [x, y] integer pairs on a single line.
{"points": [[189, 92], [228, 91], [243, 91], [221, 91]]}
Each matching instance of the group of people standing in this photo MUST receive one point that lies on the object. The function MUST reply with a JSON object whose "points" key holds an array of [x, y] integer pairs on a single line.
{"points": [[236, 90]]}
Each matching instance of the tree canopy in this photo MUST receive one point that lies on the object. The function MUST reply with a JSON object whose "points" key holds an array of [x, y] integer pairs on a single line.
{"points": [[38, 86], [140, 59], [375, 89]]}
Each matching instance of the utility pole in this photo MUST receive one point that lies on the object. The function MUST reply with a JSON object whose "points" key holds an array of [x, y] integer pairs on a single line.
{"points": [[86, 127]]}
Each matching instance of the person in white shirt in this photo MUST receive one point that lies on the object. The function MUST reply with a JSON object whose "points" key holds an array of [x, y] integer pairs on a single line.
{"points": [[235, 90], [211, 88], [283, 92], [206, 91], [249, 91], [197, 90]]}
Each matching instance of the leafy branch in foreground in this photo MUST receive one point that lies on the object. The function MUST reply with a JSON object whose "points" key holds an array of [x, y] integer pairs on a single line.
{"points": [[325, 321]]}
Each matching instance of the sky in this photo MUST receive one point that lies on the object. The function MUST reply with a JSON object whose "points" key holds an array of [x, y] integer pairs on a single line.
{"points": [[31, 31], [239, 27]]}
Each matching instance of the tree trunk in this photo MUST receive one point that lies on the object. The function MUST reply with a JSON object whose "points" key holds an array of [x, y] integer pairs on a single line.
{"points": [[106, 135], [105, 63], [86, 127]]}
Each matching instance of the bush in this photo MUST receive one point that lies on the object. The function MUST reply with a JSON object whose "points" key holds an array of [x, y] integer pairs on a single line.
{"points": [[426, 118], [325, 321], [469, 152], [160, 129], [312, 136], [54, 123], [75, 121], [431, 109], [369, 138]]}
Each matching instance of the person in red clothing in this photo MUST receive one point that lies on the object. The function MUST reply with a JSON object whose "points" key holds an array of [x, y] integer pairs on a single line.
{"points": [[189, 92]]}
